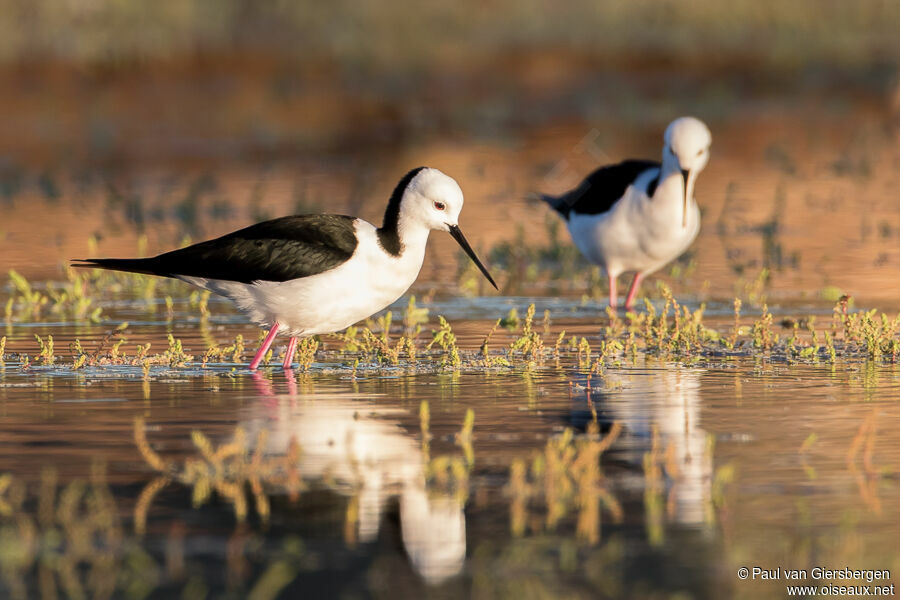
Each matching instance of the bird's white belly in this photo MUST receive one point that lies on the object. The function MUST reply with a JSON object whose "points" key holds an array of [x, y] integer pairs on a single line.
{"points": [[629, 238], [366, 283]]}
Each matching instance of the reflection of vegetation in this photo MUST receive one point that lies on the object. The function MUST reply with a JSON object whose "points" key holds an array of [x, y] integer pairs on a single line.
{"points": [[75, 541], [448, 474], [566, 476], [869, 478], [74, 544], [228, 470]]}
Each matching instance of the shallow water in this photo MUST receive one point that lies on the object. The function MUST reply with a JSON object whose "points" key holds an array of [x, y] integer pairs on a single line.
{"points": [[652, 478], [715, 464]]}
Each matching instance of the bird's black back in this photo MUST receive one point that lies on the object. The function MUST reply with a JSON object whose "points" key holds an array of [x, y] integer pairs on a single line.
{"points": [[277, 250], [602, 189]]}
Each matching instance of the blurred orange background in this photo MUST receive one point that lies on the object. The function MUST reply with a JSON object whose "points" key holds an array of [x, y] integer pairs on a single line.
{"points": [[190, 119]]}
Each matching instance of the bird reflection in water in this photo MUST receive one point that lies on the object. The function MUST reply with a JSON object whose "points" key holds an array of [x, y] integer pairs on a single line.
{"points": [[669, 400], [360, 451]]}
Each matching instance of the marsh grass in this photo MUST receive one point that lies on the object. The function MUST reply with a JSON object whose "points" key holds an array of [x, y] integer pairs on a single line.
{"points": [[665, 329], [73, 299], [530, 344], [446, 339]]}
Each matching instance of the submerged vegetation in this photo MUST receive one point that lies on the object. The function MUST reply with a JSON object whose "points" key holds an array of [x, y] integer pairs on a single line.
{"points": [[567, 483]]}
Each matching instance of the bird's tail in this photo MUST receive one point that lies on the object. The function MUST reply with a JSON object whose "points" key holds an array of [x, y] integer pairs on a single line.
{"points": [[557, 203], [129, 265]]}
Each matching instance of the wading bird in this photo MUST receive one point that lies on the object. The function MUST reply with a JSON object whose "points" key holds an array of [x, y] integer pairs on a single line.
{"points": [[307, 275], [639, 215]]}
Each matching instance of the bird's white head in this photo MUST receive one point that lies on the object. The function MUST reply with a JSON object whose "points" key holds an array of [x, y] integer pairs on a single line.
{"points": [[687, 142], [427, 199], [432, 199]]}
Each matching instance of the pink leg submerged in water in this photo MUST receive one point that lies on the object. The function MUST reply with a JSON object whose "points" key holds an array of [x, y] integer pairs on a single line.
{"points": [[264, 347], [289, 354], [632, 292]]}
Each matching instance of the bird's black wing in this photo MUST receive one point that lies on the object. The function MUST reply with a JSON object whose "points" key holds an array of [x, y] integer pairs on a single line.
{"points": [[277, 250], [601, 189]]}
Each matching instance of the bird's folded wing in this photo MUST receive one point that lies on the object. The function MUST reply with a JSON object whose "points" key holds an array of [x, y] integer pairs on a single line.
{"points": [[277, 250], [604, 187]]}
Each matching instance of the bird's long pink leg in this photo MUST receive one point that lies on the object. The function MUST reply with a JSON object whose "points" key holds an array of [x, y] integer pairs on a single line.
{"points": [[632, 292], [264, 347], [613, 294], [289, 354]]}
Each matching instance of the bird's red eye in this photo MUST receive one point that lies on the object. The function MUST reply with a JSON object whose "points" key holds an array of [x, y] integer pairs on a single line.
{"points": [[439, 205]]}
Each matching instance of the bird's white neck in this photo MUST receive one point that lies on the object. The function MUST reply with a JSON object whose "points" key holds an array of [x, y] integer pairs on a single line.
{"points": [[402, 236], [670, 166], [413, 234]]}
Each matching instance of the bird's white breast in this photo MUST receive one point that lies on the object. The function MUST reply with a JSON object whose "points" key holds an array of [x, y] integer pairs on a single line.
{"points": [[369, 281], [638, 233]]}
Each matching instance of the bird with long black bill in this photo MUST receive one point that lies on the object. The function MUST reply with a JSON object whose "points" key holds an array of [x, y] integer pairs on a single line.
{"points": [[639, 215], [307, 275]]}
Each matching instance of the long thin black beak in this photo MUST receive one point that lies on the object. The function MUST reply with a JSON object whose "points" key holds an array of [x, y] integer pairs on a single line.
{"points": [[457, 234], [685, 173]]}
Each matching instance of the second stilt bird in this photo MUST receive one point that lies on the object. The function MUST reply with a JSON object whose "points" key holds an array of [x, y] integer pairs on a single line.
{"points": [[639, 215]]}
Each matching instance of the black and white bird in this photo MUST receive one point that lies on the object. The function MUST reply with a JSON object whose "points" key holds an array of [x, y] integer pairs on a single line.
{"points": [[639, 215], [307, 275]]}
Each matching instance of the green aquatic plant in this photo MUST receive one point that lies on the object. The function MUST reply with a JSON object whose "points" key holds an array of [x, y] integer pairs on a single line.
{"points": [[763, 337], [584, 354], [383, 351], [446, 339], [530, 344], [348, 339], [608, 349], [306, 352], [46, 349], [731, 341], [32, 300], [382, 324], [414, 317], [511, 320], [484, 351], [175, 355], [73, 299], [233, 352], [561, 338]]}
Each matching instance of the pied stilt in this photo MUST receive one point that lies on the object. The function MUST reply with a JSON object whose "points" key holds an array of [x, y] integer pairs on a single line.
{"points": [[639, 215], [313, 274]]}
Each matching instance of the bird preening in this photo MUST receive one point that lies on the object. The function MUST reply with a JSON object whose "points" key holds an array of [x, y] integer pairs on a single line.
{"points": [[307, 275], [639, 215], [313, 274]]}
